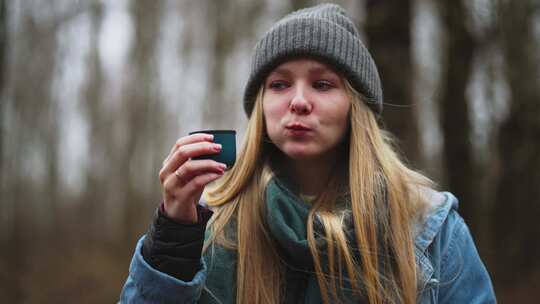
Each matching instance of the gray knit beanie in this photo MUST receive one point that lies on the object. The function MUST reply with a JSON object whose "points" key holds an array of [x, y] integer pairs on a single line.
{"points": [[322, 32]]}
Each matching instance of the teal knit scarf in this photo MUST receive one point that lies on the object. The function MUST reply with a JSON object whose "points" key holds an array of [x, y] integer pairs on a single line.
{"points": [[286, 218]]}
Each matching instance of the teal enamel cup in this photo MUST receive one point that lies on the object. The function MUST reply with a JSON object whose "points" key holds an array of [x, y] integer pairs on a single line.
{"points": [[227, 139]]}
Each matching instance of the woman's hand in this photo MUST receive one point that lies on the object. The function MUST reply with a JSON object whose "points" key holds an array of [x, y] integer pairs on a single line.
{"points": [[183, 179]]}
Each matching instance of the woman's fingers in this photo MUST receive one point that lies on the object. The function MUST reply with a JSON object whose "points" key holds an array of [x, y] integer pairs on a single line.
{"points": [[185, 152], [193, 138], [189, 171], [181, 204], [183, 180], [186, 193], [198, 183]]}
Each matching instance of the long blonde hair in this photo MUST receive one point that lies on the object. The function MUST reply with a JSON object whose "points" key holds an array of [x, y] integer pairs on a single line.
{"points": [[383, 201]]}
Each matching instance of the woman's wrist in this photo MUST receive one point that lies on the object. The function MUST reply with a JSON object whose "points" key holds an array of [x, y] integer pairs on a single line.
{"points": [[175, 248], [186, 217], [202, 215]]}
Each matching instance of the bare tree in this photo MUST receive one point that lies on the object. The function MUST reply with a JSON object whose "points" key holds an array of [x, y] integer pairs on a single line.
{"points": [[230, 26], [9, 261], [517, 204], [388, 30], [33, 128], [223, 36], [92, 201], [454, 106], [140, 111], [3, 48]]}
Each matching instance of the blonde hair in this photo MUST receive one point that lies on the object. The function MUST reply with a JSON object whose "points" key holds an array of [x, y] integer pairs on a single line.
{"points": [[383, 201]]}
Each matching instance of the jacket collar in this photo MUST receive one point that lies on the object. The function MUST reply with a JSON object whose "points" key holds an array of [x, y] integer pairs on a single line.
{"points": [[427, 226]]}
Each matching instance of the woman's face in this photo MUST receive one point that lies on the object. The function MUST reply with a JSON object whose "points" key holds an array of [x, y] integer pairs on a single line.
{"points": [[306, 109]]}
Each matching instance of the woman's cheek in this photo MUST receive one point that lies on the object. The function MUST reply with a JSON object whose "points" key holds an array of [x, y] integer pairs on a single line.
{"points": [[273, 112]]}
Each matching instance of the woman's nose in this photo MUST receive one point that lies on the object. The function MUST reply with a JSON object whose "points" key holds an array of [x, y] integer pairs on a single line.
{"points": [[299, 103]]}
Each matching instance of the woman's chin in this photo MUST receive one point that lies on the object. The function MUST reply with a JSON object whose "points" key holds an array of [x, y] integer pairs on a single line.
{"points": [[301, 153]]}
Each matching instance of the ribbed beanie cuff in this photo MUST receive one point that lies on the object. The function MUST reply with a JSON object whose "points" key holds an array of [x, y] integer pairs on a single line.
{"points": [[322, 32]]}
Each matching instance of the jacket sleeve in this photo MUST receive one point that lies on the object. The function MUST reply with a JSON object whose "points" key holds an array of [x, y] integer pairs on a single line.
{"points": [[175, 248], [464, 278], [147, 285]]}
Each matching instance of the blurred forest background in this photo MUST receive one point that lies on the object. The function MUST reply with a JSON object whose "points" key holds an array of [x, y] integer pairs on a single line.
{"points": [[94, 94]]}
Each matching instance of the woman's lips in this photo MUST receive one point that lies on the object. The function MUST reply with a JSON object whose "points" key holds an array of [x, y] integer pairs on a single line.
{"points": [[298, 129], [298, 126]]}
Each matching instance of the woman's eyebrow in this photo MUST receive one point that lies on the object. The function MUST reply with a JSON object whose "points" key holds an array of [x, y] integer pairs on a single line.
{"points": [[320, 70], [280, 72], [317, 70]]}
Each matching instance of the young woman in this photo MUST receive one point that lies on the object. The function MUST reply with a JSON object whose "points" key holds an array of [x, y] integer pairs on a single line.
{"points": [[318, 208]]}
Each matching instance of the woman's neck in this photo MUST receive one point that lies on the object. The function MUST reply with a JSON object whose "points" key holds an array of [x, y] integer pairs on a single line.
{"points": [[312, 175]]}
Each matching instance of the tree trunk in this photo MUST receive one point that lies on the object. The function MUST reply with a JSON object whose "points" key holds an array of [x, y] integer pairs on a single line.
{"points": [[222, 41], [94, 198], [458, 159], [388, 32], [3, 51], [140, 100], [517, 206]]}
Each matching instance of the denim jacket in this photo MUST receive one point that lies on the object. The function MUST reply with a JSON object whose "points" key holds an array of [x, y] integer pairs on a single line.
{"points": [[449, 267]]}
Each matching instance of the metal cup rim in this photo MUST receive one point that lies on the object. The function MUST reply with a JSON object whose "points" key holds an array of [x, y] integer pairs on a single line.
{"points": [[213, 131]]}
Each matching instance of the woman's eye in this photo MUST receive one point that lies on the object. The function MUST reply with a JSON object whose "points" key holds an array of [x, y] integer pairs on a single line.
{"points": [[322, 85], [278, 85]]}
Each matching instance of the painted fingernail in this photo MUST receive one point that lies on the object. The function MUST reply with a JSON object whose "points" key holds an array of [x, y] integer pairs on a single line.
{"points": [[222, 166], [210, 136], [217, 147]]}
